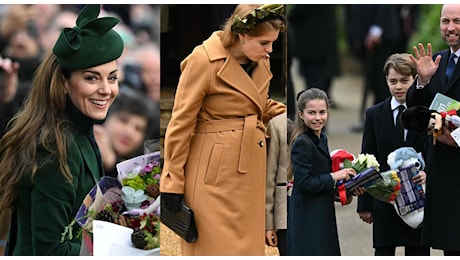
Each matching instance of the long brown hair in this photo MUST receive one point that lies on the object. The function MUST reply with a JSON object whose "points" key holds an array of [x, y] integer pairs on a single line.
{"points": [[298, 126], [39, 123], [242, 10]]}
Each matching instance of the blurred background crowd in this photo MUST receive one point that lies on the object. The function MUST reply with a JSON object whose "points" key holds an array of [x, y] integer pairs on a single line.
{"points": [[320, 38], [29, 31]]}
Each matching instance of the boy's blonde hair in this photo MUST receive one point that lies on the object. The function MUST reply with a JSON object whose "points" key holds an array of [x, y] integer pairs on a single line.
{"points": [[401, 63]]}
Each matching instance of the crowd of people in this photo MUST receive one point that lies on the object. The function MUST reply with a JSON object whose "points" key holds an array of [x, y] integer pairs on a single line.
{"points": [[78, 94], [31, 43]]}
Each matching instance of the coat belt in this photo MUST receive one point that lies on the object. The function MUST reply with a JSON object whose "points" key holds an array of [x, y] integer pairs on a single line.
{"points": [[248, 124]]}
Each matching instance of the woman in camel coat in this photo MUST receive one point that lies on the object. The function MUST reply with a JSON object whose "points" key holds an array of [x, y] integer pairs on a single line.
{"points": [[215, 152]]}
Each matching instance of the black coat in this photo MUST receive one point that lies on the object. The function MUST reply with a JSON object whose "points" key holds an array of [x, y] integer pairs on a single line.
{"points": [[315, 45], [380, 139], [358, 20], [441, 225], [312, 227]]}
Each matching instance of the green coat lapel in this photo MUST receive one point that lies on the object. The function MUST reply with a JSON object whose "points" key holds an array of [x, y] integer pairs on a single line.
{"points": [[88, 155]]}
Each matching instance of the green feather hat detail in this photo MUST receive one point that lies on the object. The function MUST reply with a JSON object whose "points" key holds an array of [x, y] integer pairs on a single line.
{"points": [[90, 43]]}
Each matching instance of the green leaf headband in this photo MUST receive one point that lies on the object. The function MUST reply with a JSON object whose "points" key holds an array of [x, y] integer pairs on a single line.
{"points": [[90, 43], [261, 14]]}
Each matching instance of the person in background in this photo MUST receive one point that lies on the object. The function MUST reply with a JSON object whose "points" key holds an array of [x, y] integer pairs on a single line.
{"points": [[312, 226], [380, 138], [64, 18], [276, 201], [215, 154], [130, 122], [441, 228], [317, 68], [142, 70], [373, 33], [49, 160]]}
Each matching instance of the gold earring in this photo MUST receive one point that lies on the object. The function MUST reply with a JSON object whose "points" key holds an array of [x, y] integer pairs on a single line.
{"points": [[241, 41]]}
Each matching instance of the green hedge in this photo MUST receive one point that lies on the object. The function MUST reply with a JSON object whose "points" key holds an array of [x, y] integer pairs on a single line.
{"points": [[427, 28]]}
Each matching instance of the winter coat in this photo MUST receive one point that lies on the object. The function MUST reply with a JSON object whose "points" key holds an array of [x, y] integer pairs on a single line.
{"points": [[441, 228], [215, 152], [278, 158], [312, 226], [380, 139]]}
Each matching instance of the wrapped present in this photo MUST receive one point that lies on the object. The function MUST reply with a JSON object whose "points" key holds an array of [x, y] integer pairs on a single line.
{"points": [[363, 179]]}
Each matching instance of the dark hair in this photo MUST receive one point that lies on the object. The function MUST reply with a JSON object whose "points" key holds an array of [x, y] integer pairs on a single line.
{"points": [[297, 127], [306, 96], [136, 104]]}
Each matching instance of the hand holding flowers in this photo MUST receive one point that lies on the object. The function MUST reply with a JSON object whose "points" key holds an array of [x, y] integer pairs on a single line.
{"points": [[131, 201]]}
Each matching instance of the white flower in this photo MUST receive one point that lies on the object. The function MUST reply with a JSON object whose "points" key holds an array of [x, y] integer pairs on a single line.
{"points": [[372, 161], [365, 161]]}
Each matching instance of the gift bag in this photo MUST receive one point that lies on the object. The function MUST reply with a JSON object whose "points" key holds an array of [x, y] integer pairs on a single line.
{"points": [[410, 202]]}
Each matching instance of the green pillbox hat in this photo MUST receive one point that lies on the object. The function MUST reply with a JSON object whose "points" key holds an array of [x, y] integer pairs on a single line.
{"points": [[90, 43]]}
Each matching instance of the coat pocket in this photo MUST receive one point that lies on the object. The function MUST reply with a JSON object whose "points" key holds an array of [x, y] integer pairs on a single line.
{"points": [[214, 164]]}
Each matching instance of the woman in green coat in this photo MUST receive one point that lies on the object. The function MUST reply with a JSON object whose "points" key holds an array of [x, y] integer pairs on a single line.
{"points": [[49, 159]]}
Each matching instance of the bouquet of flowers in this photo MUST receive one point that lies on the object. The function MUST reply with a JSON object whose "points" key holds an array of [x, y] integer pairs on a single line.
{"points": [[120, 216], [382, 185], [386, 188]]}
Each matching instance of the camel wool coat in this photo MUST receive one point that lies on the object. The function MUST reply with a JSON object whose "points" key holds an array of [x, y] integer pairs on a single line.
{"points": [[215, 150]]}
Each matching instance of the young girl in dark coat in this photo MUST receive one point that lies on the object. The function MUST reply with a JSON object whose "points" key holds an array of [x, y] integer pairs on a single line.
{"points": [[312, 227]]}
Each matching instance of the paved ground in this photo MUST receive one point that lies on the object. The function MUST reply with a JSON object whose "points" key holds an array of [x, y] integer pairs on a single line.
{"points": [[355, 235]]}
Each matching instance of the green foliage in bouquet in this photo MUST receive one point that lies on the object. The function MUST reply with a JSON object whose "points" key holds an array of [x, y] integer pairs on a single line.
{"points": [[147, 179], [362, 162], [105, 202], [387, 188]]}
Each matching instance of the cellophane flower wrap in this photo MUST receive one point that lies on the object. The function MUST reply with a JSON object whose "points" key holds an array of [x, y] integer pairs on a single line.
{"points": [[121, 216], [366, 167], [384, 186], [362, 162]]}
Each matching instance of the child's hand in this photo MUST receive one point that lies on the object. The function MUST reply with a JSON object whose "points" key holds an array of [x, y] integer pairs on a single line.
{"points": [[344, 174], [420, 178], [359, 191]]}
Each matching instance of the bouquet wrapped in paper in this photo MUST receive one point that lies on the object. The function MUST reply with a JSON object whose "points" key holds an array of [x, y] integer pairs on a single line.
{"points": [[387, 187], [367, 168], [120, 216], [384, 186]]}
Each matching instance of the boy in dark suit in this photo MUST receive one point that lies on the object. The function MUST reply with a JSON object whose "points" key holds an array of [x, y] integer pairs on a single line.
{"points": [[381, 136]]}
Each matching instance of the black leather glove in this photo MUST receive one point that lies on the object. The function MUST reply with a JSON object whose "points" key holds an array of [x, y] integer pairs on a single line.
{"points": [[172, 201]]}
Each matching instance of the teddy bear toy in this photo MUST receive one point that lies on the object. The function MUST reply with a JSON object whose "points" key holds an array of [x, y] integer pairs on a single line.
{"points": [[420, 119], [409, 203]]}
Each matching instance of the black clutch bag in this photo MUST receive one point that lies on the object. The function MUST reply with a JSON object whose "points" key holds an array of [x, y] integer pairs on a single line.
{"points": [[181, 222]]}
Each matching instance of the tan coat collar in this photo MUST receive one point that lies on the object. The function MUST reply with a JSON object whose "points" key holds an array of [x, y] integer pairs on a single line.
{"points": [[231, 70]]}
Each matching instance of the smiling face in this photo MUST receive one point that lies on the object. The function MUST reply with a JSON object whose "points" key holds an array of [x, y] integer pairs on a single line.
{"points": [[450, 25], [314, 115], [93, 90], [259, 47]]}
